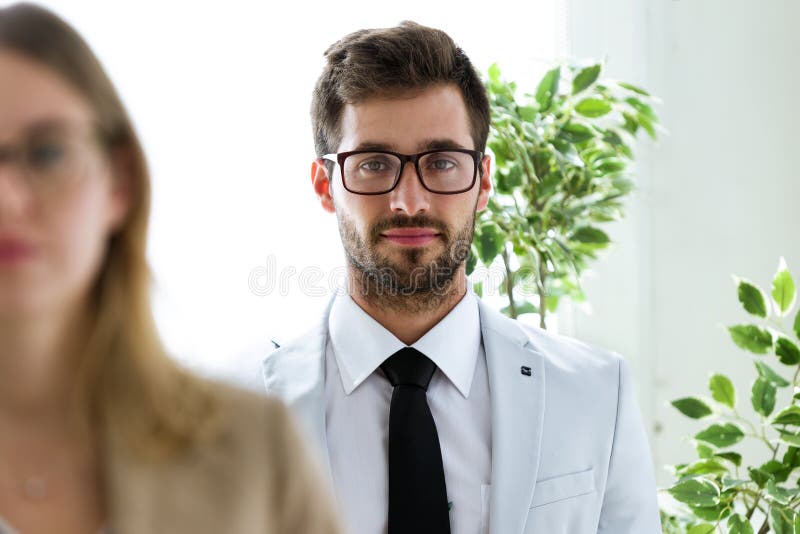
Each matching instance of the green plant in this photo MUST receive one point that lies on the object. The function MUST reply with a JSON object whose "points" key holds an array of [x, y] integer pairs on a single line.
{"points": [[562, 168], [720, 490]]}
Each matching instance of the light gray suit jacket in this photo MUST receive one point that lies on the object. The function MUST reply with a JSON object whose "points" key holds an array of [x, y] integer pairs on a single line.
{"points": [[569, 451]]}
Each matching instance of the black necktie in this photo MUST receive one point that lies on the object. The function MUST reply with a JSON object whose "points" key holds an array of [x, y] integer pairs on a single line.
{"points": [[417, 492]]}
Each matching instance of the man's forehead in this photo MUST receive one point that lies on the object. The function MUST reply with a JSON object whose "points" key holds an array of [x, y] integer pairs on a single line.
{"points": [[434, 118]]}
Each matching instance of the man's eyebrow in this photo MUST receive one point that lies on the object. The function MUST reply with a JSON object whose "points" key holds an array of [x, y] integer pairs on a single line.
{"points": [[429, 144], [439, 144], [371, 145]]}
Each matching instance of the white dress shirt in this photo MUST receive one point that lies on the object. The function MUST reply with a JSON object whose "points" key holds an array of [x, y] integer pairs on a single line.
{"points": [[357, 414]]}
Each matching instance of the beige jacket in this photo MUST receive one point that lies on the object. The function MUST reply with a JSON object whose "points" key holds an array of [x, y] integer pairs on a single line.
{"points": [[253, 477]]}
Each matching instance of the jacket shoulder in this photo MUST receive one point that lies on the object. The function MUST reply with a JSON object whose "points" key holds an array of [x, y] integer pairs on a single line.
{"points": [[558, 350], [567, 351]]}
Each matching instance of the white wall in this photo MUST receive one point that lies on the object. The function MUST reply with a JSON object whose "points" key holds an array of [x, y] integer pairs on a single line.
{"points": [[220, 93], [718, 195]]}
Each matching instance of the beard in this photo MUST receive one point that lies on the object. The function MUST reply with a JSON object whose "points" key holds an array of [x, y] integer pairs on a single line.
{"points": [[405, 281]]}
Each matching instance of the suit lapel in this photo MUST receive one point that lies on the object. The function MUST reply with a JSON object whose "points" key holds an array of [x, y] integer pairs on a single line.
{"points": [[517, 407], [296, 374]]}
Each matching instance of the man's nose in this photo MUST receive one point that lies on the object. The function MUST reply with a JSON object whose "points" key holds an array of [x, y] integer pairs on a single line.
{"points": [[410, 196]]}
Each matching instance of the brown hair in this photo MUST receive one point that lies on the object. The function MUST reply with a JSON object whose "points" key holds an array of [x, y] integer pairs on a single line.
{"points": [[130, 385], [390, 61]]}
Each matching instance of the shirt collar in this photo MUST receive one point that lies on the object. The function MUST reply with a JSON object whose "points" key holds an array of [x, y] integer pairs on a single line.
{"points": [[361, 344]]}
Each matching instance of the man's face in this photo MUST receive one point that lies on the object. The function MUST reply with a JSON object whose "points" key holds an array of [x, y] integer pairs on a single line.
{"points": [[418, 238]]}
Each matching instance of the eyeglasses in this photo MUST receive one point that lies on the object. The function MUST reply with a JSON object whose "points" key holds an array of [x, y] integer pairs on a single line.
{"points": [[375, 172], [50, 160]]}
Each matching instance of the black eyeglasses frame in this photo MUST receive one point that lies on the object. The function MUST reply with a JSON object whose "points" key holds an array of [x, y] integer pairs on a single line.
{"points": [[339, 158]]}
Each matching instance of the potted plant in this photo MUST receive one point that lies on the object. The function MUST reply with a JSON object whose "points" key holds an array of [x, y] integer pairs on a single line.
{"points": [[721, 491], [562, 159]]}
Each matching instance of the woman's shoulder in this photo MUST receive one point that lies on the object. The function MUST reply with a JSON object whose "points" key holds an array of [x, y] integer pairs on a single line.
{"points": [[242, 413], [249, 465]]}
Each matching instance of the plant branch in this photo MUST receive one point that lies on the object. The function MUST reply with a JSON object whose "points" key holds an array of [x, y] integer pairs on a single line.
{"points": [[540, 289], [512, 307]]}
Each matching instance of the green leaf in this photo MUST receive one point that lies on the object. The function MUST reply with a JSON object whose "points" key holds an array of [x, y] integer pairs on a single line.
{"points": [[547, 88], [520, 308], [781, 520], [635, 89], [692, 407], [585, 78], [763, 397], [713, 513], [787, 352], [575, 132], [705, 467], [590, 235], [528, 113], [722, 390], [721, 435], [788, 416], [490, 242], [728, 483], [752, 298], [507, 181], [797, 324], [472, 260], [779, 494], [704, 451], [494, 72], [477, 287], [696, 491], [631, 124], [739, 525], [593, 107], [705, 528], [609, 165], [783, 288], [752, 338], [790, 438], [645, 112], [765, 372], [775, 468], [734, 457], [791, 458], [759, 476]]}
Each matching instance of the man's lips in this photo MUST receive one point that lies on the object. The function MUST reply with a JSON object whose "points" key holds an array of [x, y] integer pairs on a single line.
{"points": [[410, 236]]}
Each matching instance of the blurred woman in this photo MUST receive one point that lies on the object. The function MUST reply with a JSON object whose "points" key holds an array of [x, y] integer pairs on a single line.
{"points": [[99, 430]]}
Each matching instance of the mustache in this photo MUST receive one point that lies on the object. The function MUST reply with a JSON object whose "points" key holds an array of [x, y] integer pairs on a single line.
{"points": [[400, 221]]}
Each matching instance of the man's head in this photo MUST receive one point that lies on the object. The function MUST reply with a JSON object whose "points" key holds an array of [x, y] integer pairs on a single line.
{"points": [[405, 90], [388, 62]]}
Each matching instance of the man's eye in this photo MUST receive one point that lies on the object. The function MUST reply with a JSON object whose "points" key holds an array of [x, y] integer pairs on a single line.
{"points": [[374, 165], [441, 165], [44, 155]]}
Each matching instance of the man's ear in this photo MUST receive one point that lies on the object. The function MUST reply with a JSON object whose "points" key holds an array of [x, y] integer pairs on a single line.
{"points": [[321, 183], [485, 184]]}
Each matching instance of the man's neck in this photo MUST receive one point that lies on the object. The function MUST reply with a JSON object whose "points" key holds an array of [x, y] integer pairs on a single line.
{"points": [[409, 326]]}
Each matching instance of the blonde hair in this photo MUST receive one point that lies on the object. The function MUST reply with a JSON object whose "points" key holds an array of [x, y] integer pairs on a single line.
{"points": [[130, 385]]}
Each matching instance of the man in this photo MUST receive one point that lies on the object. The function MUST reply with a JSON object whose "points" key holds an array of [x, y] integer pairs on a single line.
{"points": [[434, 413]]}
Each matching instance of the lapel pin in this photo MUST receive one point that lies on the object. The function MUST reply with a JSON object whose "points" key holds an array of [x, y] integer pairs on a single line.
{"points": [[526, 370]]}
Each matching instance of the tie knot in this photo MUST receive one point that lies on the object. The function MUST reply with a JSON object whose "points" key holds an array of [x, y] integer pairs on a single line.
{"points": [[409, 367]]}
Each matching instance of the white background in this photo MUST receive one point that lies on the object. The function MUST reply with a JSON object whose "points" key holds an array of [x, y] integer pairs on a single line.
{"points": [[220, 95]]}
